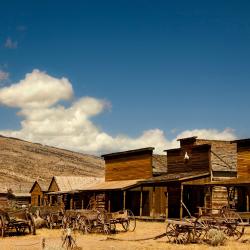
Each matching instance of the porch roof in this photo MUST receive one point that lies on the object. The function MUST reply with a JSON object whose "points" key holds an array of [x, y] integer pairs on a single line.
{"points": [[103, 186], [229, 182], [175, 177], [113, 185]]}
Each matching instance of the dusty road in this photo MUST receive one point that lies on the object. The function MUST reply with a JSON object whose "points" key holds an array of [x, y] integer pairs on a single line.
{"points": [[99, 242]]}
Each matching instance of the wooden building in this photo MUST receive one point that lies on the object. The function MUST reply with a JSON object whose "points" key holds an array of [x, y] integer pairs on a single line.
{"points": [[38, 194], [200, 173], [10, 199], [65, 190]]}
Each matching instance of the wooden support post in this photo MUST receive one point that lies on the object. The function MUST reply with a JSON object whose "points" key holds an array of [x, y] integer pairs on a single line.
{"points": [[181, 207], [109, 202], [166, 194], [141, 200], [124, 200], [82, 203], [153, 202], [71, 201]]}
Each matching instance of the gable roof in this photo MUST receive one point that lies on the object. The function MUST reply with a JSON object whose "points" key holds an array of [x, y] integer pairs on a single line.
{"points": [[70, 183], [42, 185]]}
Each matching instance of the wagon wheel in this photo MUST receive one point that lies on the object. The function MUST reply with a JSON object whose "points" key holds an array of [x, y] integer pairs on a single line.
{"points": [[130, 223], [176, 234], [84, 225], [201, 227], [2, 226], [231, 225], [102, 220]]}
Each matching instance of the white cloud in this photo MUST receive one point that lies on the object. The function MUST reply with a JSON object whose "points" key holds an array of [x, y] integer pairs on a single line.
{"points": [[10, 44], [48, 122], [36, 90], [4, 75]]}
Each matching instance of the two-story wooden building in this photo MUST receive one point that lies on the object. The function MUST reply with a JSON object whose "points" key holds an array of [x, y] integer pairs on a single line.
{"points": [[208, 173]]}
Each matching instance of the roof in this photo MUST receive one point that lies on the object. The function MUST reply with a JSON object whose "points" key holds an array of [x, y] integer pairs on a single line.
{"points": [[242, 142], [176, 177], [200, 146], [44, 186], [159, 163], [104, 186], [140, 150], [21, 194], [114, 185], [69, 183], [187, 138], [229, 182]]}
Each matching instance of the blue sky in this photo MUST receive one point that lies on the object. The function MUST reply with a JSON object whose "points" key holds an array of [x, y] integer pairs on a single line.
{"points": [[171, 65]]}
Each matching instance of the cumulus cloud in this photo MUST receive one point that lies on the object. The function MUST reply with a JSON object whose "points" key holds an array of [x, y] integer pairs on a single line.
{"points": [[10, 44], [47, 121], [4, 75], [36, 90]]}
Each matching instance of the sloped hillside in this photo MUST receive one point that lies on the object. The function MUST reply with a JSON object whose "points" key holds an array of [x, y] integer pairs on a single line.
{"points": [[22, 162]]}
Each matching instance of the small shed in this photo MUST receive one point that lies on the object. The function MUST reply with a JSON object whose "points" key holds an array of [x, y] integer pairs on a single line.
{"points": [[38, 193]]}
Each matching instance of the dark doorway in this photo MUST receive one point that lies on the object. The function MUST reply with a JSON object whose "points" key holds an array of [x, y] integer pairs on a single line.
{"points": [[133, 201], [193, 197], [241, 204], [174, 197], [116, 201]]}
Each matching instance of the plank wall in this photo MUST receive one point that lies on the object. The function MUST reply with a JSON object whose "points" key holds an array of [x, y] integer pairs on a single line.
{"points": [[35, 195], [128, 167], [223, 154], [198, 161], [243, 158]]}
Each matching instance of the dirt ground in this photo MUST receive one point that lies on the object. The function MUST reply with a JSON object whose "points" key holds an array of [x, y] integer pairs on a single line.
{"points": [[97, 241]]}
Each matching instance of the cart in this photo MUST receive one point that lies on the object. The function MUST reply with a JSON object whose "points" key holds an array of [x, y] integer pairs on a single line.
{"points": [[20, 221]]}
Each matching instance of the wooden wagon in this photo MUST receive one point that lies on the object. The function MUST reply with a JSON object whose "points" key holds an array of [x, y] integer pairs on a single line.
{"points": [[86, 220], [197, 228], [20, 221]]}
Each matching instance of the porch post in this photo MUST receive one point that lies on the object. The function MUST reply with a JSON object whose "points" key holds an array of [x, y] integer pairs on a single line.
{"points": [[71, 201], [181, 208], [153, 202], [247, 202], [141, 201], [166, 194], [124, 200], [109, 202]]}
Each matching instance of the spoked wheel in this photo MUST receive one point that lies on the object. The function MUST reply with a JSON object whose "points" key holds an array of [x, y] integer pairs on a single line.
{"points": [[102, 219], [2, 226], [233, 224], [130, 223], [201, 227], [84, 225], [177, 234]]}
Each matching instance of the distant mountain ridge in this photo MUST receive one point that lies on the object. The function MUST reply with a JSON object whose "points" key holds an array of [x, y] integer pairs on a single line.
{"points": [[23, 162]]}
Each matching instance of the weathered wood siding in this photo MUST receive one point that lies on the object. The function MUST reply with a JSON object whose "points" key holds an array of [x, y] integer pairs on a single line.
{"points": [[129, 167], [53, 186], [223, 154], [36, 195], [198, 159], [219, 197], [243, 159]]}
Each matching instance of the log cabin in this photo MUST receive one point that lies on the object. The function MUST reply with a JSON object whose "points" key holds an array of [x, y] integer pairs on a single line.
{"points": [[10, 199]]}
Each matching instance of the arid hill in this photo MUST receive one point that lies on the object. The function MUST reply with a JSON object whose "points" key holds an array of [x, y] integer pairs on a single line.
{"points": [[22, 162]]}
